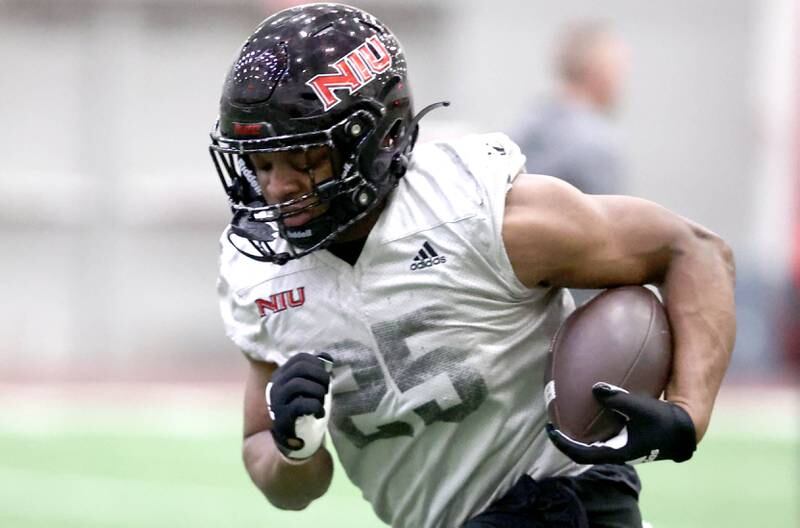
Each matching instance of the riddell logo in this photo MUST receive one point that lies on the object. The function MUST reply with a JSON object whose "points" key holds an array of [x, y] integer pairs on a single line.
{"points": [[427, 257], [279, 302], [354, 71]]}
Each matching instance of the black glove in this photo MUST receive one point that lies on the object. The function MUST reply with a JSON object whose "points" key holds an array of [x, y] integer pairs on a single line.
{"points": [[655, 430], [297, 397]]}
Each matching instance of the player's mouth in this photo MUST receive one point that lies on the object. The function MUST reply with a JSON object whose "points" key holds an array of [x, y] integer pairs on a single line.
{"points": [[302, 213], [298, 219]]}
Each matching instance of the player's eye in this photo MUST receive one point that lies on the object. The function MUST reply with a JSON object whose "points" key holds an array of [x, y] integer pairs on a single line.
{"points": [[261, 163], [307, 166]]}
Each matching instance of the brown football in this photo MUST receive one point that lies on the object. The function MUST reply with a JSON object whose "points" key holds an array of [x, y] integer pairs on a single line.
{"points": [[622, 337]]}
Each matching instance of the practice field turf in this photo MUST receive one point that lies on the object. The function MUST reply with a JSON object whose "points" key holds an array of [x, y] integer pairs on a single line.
{"points": [[140, 456]]}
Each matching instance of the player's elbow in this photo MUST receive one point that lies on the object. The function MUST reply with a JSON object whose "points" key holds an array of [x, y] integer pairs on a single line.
{"points": [[725, 253], [694, 239], [717, 249]]}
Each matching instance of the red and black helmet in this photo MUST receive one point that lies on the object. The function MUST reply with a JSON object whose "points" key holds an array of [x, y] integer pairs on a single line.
{"points": [[309, 76]]}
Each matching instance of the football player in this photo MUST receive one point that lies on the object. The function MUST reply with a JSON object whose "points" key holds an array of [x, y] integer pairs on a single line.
{"points": [[404, 298]]}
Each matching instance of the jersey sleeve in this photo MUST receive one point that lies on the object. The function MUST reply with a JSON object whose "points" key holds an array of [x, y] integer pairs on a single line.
{"points": [[495, 161], [240, 317]]}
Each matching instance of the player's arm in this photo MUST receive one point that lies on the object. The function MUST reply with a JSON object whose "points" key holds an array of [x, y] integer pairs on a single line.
{"points": [[288, 484], [557, 236]]}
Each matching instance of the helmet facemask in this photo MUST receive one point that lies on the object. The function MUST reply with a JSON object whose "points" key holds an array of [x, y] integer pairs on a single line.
{"points": [[258, 229]]}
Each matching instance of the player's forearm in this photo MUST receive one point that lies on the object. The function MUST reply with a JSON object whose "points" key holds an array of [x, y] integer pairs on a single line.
{"points": [[699, 294], [287, 485]]}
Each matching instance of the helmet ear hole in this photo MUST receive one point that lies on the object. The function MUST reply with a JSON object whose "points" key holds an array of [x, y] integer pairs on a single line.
{"points": [[393, 136]]}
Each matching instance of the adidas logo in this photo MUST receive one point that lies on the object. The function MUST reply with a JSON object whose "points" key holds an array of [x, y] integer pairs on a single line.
{"points": [[427, 257]]}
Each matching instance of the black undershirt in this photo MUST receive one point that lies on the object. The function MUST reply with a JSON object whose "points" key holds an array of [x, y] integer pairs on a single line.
{"points": [[348, 251]]}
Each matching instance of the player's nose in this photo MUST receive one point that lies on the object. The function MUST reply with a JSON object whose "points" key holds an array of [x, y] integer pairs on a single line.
{"points": [[285, 183]]}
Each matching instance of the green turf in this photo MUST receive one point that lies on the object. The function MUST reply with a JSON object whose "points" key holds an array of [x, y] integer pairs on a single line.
{"points": [[79, 468], [735, 480]]}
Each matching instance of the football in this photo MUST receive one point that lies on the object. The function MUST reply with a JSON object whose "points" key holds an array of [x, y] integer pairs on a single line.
{"points": [[622, 337]]}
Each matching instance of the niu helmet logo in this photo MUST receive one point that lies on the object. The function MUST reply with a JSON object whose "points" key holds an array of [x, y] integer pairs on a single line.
{"points": [[353, 71], [279, 302]]}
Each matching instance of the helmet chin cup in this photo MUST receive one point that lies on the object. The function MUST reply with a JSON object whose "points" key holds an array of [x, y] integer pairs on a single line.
{"points": [[313, 234]]}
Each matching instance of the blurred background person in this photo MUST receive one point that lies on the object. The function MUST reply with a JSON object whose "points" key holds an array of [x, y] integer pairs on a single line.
{"points": [[571, 135]]}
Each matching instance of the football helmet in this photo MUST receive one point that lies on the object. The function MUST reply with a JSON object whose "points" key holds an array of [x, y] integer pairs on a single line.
{"points": [[314, 75]]}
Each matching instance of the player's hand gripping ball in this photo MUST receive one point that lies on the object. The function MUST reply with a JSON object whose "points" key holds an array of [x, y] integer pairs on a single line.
{"points": [[299, 403], [609, 363], [654, 430]]}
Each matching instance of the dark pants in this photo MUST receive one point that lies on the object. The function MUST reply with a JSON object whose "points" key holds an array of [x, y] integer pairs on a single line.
{"points": [[606, 496]]}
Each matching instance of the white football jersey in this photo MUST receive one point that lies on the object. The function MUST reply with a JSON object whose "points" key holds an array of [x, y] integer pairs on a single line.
{"points": [[439, 350]]}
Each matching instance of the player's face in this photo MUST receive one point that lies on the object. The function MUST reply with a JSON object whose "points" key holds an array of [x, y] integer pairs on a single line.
{"points": [[610, 67], [285, 176]]}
